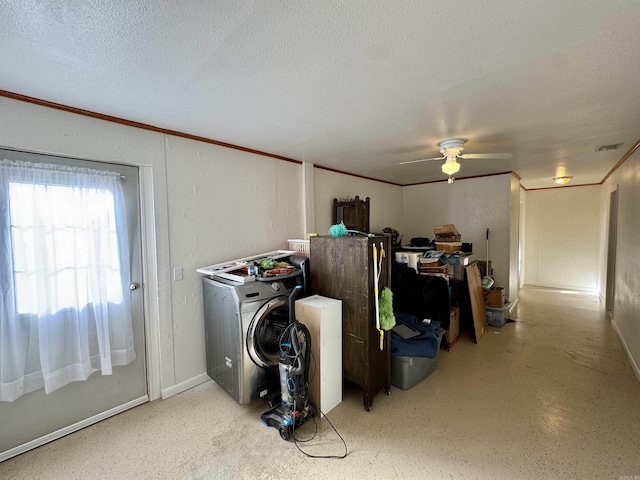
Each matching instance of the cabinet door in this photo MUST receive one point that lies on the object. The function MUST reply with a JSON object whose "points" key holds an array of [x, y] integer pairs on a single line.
{"points": [[337, 271]]}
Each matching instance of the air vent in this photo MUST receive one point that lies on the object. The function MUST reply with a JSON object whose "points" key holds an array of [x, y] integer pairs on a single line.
{"points": [[605, 148]]}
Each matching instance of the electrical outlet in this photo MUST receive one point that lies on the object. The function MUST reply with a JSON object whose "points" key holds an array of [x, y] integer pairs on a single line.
{"points": [[177, 274]]}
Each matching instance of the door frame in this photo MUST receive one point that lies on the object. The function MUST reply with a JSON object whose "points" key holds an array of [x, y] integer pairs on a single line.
{"points": [[612, 240], [150, 288]]}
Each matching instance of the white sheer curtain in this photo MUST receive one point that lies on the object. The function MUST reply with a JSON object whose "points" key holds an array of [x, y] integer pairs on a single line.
{"points": [[64, 276]]}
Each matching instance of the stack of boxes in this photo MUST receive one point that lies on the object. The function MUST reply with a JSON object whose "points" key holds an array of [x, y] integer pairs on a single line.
{"points": [[433, 266], [447, 238], [496, 308]]}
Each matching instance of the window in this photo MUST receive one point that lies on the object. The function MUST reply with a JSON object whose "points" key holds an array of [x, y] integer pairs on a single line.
{"points": [[69, 233], [64, 270]]}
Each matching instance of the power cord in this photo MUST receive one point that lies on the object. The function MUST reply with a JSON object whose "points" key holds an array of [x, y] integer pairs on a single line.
{"points": [[298, 441]]}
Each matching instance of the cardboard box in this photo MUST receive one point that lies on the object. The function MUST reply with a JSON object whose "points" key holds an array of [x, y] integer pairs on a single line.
{"points": [[441, 269], [454, 327], [446, 233], [494, 298], [323, 317], [449, 229]]}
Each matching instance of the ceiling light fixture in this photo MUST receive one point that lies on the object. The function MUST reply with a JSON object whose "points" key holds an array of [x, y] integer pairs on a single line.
{"points": [[450, 167], [451, 150], [562, 180]]}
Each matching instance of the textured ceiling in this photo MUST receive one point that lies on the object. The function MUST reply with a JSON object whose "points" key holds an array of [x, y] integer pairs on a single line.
{"points": [[354, 85]]}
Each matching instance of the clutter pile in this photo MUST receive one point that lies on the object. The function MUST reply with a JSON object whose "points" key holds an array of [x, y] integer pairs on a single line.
{"points": [[450, 255], [431, 264], [497, 308], [269, 267]]}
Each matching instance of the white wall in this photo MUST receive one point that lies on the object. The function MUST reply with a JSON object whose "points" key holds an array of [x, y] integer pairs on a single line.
{"points": [[626, 310], [385, 199], [563, 237], [223, 204], [472, 205]]}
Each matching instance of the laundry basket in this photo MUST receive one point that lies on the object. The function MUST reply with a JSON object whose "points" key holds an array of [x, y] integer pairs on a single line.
{"points": [[300, 246]]}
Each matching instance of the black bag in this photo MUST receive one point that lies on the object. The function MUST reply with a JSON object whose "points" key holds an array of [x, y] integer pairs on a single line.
{"points": [[420, 242]]}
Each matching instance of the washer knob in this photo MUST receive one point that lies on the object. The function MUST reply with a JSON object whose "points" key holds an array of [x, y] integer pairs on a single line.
{"points": [[275, 286]]}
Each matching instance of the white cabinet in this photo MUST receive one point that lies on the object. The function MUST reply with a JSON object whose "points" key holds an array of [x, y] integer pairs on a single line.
{"points": [[323, 317]]}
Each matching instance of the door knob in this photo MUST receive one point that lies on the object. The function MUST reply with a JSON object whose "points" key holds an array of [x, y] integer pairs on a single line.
{"points": [[133, 286]]}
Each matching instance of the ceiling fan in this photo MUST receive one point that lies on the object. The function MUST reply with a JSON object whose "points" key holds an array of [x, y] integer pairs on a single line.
{"points": [[450, 150]]}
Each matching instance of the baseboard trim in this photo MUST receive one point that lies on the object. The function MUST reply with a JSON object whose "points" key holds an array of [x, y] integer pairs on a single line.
{"points": [[71, 428], [563, 287], [184, 386], [632, 361]]}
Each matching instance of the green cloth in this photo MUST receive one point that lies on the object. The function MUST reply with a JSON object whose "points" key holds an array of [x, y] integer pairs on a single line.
{"points": [[387, 318]]}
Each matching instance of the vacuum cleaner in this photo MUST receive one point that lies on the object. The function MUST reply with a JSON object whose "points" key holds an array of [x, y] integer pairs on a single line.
{"points": [[294, 357]]}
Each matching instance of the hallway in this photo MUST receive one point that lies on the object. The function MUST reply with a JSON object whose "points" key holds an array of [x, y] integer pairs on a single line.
{"points": [[551, 395]]}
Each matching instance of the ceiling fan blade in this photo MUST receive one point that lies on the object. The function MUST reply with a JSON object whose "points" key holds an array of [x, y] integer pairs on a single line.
{"points": [[422, 160], [497, 156]]}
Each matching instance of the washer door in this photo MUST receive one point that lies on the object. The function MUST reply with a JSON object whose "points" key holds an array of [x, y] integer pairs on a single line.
{"points": [[265, 330]]}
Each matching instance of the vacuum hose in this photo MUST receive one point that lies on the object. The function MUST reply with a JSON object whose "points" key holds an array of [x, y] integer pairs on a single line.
{"points": [[294, 361], [294, 357]]}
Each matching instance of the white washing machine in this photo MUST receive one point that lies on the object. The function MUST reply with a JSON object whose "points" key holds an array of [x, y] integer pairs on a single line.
{"points": [[243, 323]]}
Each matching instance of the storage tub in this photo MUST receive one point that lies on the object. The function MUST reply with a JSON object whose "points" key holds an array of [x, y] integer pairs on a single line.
{"points": [[408, 371], [497, 317]]}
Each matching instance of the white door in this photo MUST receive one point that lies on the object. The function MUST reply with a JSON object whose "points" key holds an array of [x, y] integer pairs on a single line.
{"points": [[37, 417]]}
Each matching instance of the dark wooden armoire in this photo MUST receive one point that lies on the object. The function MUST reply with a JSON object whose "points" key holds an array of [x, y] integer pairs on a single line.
{"points": [[342, 268]]}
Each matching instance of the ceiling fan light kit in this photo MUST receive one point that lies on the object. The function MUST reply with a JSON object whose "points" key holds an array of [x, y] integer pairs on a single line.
{"points": [[451, 150], [450, 166]]}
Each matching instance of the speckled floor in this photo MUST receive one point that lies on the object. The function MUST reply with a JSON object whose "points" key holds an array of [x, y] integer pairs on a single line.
{"points": [[550, 396]]}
